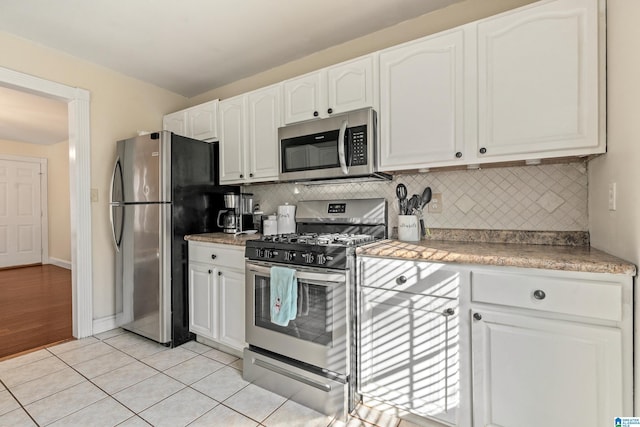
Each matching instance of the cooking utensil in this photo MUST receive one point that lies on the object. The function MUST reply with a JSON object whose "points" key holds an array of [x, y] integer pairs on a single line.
{"points": [[414, 204], [425, 198], [401, 193]]}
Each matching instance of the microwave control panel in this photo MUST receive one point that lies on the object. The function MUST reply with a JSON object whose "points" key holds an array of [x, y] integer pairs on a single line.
{"points": [[358, 145]]}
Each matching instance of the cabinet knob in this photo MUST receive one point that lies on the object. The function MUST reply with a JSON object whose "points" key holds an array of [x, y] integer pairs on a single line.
{"points": [[539, 294], [241, 176], [219, 273], [401, 280], [330, 110], [213, 256], [210, 271], [250, 175], [449, 312], [459, 154], [477, 316], [483, 150], [315, 114]]}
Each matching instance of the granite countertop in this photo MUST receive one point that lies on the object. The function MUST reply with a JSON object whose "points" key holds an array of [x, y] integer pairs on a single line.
{"points": [[567, 258], [222, 238]]}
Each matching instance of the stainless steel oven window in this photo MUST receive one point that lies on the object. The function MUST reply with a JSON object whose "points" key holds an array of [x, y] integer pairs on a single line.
{"points": [[314, 322]]}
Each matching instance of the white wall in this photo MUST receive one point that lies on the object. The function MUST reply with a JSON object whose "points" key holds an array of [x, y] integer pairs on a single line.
{"points": [[120, 106], [618, 232]]}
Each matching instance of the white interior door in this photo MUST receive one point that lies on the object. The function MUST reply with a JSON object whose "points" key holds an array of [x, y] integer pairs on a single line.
{"points": [[20, 213]]}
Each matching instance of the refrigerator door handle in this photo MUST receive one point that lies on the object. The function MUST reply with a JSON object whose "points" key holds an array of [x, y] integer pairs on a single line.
{"points": [[116, 177]]}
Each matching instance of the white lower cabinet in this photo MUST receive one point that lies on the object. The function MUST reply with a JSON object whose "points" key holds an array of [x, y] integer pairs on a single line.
{"points": [[487, 346], [550, 348], [216, 293], [410, 338], [532, 372]]}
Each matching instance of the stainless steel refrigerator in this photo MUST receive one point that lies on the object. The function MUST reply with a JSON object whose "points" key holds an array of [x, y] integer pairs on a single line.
{"points": [[164, 186]]}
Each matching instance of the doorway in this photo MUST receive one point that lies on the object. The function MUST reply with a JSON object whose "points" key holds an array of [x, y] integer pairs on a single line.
{"points": [[79, 165]]}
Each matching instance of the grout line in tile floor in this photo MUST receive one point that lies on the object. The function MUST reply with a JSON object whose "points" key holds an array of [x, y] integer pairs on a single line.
{"points": [[123, 346]]}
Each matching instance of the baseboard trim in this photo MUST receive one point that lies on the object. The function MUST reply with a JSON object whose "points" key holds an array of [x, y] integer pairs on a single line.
{"points": [[60, 263], [104, 324]]}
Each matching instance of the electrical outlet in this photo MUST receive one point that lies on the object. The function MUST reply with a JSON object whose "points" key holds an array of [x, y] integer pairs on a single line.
{"points": [[94, 195], [435, 205], [613, 196]]}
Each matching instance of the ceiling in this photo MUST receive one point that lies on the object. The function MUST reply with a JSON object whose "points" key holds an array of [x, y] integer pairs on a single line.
{"points": [[185, 46]]}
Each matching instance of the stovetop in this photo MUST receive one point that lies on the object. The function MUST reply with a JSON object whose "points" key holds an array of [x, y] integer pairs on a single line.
{"points": [[335, 239], [330, 250]]}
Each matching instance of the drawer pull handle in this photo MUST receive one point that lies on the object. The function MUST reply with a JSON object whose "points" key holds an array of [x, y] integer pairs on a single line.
{"points": [[449, 312], [213, 256], [539, 294], [210, 271], [401, 280], [477, 316], [219, 273]]}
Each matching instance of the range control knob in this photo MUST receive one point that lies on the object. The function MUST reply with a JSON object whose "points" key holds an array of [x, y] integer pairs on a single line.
{"points": [[260, 252], [308, 257], [289, 255], [321, 259], [268, 253]]}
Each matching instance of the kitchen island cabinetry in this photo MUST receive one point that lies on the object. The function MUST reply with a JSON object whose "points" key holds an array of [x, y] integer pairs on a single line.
{"points": [[249, 136], [216, 293], [333, 90], [550, 348], [199, 122]]}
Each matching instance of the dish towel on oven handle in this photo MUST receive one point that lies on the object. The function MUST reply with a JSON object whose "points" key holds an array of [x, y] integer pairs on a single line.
{"points": [[283, 295]]}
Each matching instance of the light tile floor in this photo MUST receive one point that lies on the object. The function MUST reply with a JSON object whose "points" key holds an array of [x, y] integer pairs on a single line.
{"points": [[119, 378]]}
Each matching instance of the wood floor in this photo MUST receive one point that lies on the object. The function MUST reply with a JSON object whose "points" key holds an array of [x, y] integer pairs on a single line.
{"points": [[35, 307]]}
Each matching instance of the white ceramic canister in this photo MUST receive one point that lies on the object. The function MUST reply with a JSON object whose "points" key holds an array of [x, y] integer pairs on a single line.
{"points": [[286, 219], [270, 225]]}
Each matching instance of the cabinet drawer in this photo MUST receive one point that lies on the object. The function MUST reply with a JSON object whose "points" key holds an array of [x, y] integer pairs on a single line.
{"points": [[423, 278], [581, 297], [224, 256]]}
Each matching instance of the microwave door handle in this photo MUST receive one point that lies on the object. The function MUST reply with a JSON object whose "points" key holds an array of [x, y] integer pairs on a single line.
{"points": [[341, 154]]}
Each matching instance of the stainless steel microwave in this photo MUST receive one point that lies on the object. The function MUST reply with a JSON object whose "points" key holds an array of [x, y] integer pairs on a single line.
{"points": [[341, 146]]}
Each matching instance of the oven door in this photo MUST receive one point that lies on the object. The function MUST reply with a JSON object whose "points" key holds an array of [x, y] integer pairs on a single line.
{"points": [[318, 335]]}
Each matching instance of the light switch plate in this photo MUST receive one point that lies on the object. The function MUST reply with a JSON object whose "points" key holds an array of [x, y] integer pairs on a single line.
{"points": [[94, 195], [613, 196]]}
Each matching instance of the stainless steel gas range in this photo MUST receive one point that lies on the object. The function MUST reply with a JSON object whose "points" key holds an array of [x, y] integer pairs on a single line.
{"points": [[312, 359]]}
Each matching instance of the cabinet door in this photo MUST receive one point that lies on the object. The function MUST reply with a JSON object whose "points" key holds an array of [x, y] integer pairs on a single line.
{"points": [[303, 98], [538, 80], [232, 140], [350, 85], [232, 308], [203, 299], [264, 119], [203, 120], [409, 352], [532, 372], [176, 123], [422, 103]]}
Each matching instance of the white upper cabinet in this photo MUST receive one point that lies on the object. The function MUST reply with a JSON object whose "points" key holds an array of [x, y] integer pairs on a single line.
{"points": [[343, 87], [232, 139], [203, 121], [350, 85], [199, 122], [422, 102], [539, 82], [264, 119], [176, 123], [249, 136]]}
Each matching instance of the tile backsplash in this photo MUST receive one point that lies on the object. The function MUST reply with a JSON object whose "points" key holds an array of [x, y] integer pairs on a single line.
{"points": [[544, 197]]}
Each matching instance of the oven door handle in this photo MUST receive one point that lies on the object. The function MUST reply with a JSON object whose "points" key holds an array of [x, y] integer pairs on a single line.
{"points": [[307, 276], [278, 370]]}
